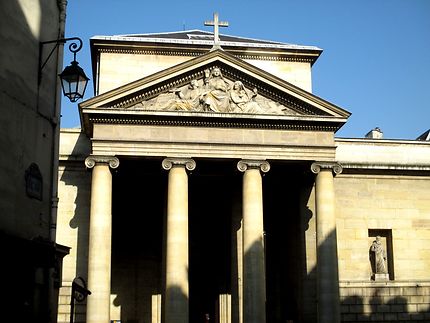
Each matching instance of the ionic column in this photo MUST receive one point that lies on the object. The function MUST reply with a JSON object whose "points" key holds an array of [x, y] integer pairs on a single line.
{"points": [[176, 275], [100, 238], [327, 266], [254, 280]]}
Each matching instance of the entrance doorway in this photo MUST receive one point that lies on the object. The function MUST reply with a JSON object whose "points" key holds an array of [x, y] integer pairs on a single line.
{"points": [[211, 190]]}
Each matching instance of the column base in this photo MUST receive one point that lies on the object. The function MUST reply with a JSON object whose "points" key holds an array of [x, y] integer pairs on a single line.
{"points": [[380, 277]]}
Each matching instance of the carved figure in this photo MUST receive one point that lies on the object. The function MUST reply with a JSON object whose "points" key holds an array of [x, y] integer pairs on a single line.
{"points": [[216, 98], [242, 100], [214, 94], [188, 100], [378, 257]]}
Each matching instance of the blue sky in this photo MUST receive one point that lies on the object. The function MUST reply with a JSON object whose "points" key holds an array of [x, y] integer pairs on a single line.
{"points": [[375, 64]]}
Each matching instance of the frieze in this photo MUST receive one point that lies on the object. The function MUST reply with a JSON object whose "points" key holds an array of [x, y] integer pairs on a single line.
{"points": [[210, 91], [155, 91]]}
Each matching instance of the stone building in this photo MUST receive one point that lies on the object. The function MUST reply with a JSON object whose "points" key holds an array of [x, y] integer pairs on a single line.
{"points": [[206, 184], [29, 132]]}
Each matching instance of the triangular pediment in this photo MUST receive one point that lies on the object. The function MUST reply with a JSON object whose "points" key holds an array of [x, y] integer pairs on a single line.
{"points": [[215, 85]]}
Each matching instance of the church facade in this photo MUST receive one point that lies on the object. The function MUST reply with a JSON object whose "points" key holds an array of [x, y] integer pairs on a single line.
{"points": [[206, 184]]}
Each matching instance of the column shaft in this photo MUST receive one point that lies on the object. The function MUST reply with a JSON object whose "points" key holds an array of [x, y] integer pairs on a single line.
{"points": [[176, 275], [327, 266], [254, 279], [99, 253], [254, 283]]}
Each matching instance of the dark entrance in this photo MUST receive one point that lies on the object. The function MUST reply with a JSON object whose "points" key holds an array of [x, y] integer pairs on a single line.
{"points": [[139, 190], [211, 188], [286, 217]]}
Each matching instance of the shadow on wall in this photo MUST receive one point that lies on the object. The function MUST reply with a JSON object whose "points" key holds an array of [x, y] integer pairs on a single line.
{"points": [[366, 302], [76, 175], [381, 307], [26, 261]]}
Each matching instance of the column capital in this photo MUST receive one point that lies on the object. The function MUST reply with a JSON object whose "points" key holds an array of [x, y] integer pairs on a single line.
{"points": [[188, 163], [336, 168], [92, 160], [245, 164]]}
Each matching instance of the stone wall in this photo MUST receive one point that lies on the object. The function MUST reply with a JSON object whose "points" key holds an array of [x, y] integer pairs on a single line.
{"points": [[395, 203], [72, 230], [27, 114], [385, 302], [64, 306], [119, 69]]}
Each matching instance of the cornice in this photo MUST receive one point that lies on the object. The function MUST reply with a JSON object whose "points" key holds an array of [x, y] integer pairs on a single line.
{"points": [[216, 124], [208, 120], [386, 167], [264, 56]]}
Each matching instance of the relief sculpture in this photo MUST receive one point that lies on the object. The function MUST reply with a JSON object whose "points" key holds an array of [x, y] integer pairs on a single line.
{"points": [[188, 100], [216, 97], [214, 93]]}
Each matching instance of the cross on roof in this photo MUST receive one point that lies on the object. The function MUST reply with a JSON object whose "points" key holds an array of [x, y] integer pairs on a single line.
{"points": [[216, 25]]}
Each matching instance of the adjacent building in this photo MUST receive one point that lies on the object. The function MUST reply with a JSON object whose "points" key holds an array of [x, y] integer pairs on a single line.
{"points": [[206, 184], [30, 97]]}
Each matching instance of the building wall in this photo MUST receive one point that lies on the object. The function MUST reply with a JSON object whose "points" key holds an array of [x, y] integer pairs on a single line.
{"points": [[297, 73], [29, 112], [74, 192], [396, 204], [383, 190], [73, 224], [26, 130], [117, 69], [385, 302], [372, 195]]}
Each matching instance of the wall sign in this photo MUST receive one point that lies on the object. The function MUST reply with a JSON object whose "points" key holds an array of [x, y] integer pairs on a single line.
{"points": [[34, 182]]}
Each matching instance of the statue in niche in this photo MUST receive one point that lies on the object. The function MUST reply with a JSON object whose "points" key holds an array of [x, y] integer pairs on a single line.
{"points": [[215, 98], [188, 100], [378, 257]]}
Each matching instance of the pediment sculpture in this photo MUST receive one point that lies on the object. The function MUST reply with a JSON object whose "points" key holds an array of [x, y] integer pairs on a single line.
{"points": [[214, 93]]}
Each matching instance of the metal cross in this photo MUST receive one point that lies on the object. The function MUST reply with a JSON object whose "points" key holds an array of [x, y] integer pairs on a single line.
{"points": [[216, 25]]}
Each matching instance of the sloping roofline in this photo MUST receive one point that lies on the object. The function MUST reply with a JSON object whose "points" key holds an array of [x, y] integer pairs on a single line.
{"points": [[129, 93], [206, 38]]}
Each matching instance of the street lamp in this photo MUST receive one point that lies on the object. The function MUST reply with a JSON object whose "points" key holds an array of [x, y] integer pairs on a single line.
{"points": [[73, 78], [73, 81]]}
